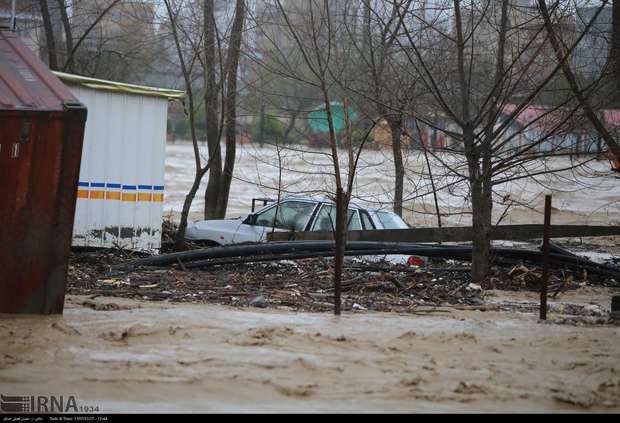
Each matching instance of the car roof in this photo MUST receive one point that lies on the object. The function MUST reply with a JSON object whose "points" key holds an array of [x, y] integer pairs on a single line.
{"points": [[317, 199], [375, 210], [326, 199]]}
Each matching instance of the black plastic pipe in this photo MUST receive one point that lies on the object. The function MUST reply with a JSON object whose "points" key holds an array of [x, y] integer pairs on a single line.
{"points": [[307, 249]]}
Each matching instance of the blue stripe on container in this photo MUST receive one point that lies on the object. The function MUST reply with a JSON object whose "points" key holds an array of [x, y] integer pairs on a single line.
{"points": [[119, 186]]}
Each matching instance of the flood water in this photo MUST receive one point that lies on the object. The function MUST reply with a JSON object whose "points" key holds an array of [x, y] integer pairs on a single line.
{"points": [[587, 195]]}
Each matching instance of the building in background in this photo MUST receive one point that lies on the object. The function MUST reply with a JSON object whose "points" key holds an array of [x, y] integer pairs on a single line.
{"points": [[28, 22], [592, 51]]}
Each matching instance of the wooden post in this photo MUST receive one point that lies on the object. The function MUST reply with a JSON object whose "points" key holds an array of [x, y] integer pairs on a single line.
{"points": [[545, 272]]}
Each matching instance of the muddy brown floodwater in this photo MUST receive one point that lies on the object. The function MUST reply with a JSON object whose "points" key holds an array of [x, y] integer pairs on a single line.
{"points": [[126, 355], [588, 195]]}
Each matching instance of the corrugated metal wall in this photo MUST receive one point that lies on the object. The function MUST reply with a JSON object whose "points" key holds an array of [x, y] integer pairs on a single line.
{"points": [[121, 189], [41, 133]]}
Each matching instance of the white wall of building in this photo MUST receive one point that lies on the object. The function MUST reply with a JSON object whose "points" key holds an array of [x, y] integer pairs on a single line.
{"points": [[121, 186]]}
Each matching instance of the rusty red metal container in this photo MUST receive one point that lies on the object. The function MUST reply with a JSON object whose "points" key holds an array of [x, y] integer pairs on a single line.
{"points": [[41, 136]]}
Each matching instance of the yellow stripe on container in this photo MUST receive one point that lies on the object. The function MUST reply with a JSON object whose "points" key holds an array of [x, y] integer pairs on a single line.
{"points": [[143, 196], [115, 195], [112, 195]]}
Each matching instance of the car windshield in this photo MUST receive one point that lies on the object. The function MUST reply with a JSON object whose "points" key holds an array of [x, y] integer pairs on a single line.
{"points": [[326, 220], [391, 220], [291, 215]]}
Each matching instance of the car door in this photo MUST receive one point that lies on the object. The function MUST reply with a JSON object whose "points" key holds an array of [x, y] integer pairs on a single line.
{"points": [[289, 215]]}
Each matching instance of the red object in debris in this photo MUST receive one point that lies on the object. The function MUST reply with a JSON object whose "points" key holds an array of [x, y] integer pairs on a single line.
{"points": [[415, 261], [41, 136], [615, 162]]}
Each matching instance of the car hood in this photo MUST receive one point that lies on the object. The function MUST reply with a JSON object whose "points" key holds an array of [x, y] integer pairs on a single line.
{"points": [[223, 224], [218, 223]]}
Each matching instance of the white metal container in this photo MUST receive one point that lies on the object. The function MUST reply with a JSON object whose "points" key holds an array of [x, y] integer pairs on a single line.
{"points": [[121, 186]]}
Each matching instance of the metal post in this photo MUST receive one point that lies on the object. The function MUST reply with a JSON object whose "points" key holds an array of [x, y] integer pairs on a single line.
{"points": [[545, 271], [13, 15], [615, 309]]}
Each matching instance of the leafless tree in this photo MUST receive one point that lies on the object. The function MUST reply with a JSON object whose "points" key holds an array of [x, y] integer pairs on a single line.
{"points": [[220, 94], [200, 170], [380, 82], [200, 50], [230, 105], [311, 54], [61, 50], [487, 63]]}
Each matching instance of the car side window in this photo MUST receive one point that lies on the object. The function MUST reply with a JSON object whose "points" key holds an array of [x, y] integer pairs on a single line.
{"points": [[391, 220], [366, 221], [265, 218], [291, 215], [326, 220], [354, 221]]}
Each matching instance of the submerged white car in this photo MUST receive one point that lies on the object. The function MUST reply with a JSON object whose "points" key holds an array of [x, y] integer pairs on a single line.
{"points": [[294, 214]]}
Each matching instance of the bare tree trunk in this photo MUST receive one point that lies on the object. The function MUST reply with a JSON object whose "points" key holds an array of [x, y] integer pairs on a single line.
{"points": [[234, 51], [481, 179], [211, 115], [396, 128], [179, 237], [62, 7], [480, 193], [342, 206], [341, 203], [50, 42], [213, 185], [319, 68], [432, 179], [482, 207], [341, 240], [275, 216]]}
